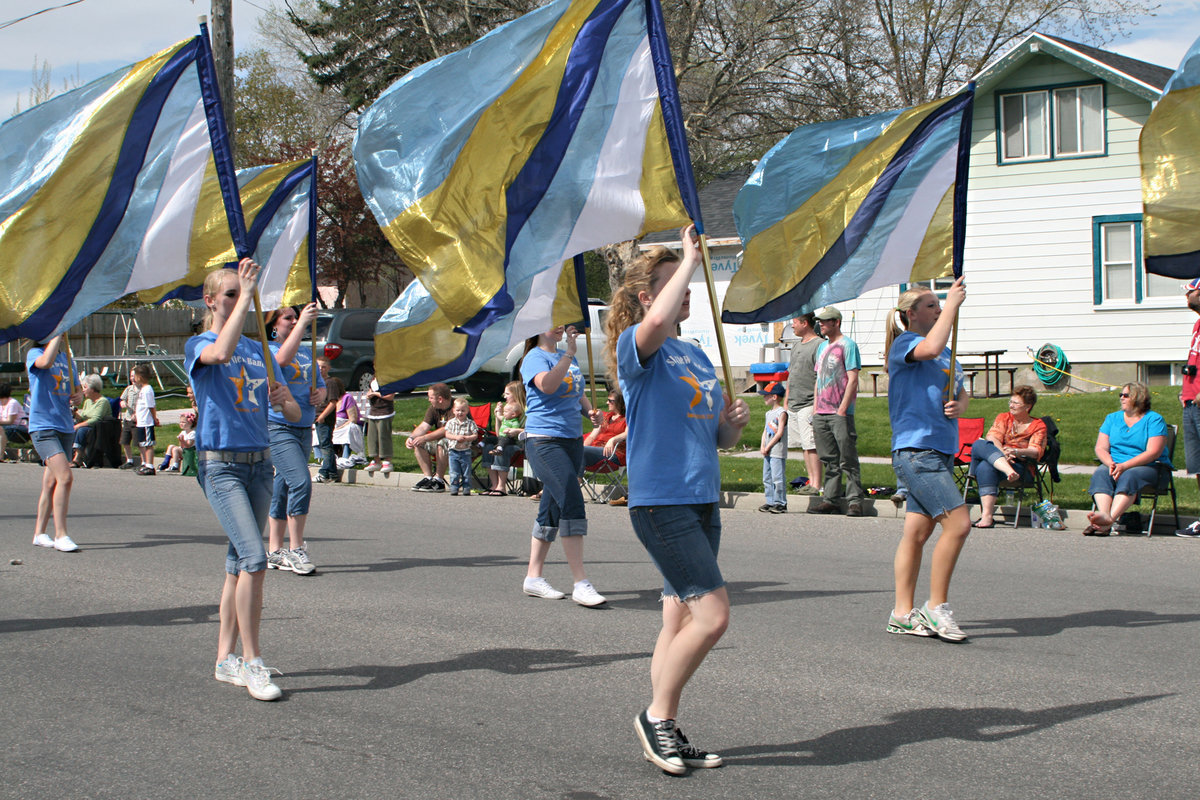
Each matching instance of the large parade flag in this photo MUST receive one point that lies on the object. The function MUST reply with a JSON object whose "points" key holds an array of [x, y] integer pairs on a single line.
{"points": [[98, 186], [1170, 155], [279, 203], [839, 208], [428, 348], [554, 134]]}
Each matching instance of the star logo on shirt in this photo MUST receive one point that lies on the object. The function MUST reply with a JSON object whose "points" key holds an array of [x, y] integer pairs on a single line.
{"points": [[298, 371], [242, 383], [569, 383], [58, 379]]}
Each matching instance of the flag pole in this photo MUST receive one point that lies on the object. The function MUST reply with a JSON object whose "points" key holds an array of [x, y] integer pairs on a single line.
{"points": [[70, 361], [268, 361], [716, 313], [587, 335], [312, 258], [950, 393]]}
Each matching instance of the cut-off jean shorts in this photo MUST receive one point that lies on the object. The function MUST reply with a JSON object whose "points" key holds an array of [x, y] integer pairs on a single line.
{"points": [[929, 477], [50, 443], [240, 495], [683, 542]]}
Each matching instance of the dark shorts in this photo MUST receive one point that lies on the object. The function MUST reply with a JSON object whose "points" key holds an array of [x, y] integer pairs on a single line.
{"points": [[127, 429], [683, 542], [145, 436]]}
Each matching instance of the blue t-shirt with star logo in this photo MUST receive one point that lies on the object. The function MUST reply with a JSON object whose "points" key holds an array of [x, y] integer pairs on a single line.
{"points": [[50, 390], [298, 374], [917, 397], [560, 412], [673, 406], [232, 398]]}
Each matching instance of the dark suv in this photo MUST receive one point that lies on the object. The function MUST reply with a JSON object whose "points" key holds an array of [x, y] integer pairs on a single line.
{"points": [[346, 336]]}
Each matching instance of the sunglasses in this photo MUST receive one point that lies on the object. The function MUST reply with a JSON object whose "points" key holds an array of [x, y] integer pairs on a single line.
{"points": [[1124, 394]]}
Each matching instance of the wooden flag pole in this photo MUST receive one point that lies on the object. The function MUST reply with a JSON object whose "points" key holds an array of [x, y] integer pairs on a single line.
{"points": [[950, 393], [587, 334], [268, 361], [716, 313], [315, 368], [312, 249], [74, 381]]}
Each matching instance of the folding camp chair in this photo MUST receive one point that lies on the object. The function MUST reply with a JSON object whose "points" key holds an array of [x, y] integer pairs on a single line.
{"points": [[1037, 475], [481, 415], [605, 480], [970, 430], [1164, 484]]}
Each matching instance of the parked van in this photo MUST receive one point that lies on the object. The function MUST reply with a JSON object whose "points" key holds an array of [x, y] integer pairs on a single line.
{"points": [[346, 336]]}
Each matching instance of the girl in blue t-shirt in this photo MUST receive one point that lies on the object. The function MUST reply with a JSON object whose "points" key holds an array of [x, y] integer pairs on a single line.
{"points": [[52, 429], [554, 414], [676, 418], [924, 438], [291, 443], [229, 380]]}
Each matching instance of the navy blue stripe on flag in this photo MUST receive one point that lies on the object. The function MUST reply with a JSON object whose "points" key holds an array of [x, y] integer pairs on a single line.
{"points": [[440, 373], [1183, 266], [278, 197], [960, 181], [312, 229], [860, 224], [130, 160], [222, 152]]}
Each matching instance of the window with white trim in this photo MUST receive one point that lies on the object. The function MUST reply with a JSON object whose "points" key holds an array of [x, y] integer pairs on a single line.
{"points": [[1046, 124], [1119, 272]]}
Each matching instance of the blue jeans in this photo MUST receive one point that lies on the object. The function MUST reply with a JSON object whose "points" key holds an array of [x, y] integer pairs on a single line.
{"points": [[1190, 430], [460, 470], [558, 463], [929, 479], [683, 542], [293, 484], [773, 481], [1130, 481], [239, 495], [983, 455], [328, 467]]}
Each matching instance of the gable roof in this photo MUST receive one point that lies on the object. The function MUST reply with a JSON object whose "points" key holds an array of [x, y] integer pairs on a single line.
{"points": [[716, 206], [1140, 78]]}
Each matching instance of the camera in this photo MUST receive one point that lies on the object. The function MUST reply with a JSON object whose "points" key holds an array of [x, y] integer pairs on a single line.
{"points": [[1189, 370]]}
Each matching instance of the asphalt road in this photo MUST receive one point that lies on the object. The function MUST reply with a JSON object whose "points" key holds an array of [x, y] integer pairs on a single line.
{"points": [[415, 667]]}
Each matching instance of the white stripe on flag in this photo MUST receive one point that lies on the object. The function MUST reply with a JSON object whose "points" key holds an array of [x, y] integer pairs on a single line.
{"points": [[279, 265]]}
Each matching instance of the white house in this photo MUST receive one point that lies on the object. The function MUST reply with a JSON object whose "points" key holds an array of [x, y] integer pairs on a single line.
{"points": [[1053, 246]]}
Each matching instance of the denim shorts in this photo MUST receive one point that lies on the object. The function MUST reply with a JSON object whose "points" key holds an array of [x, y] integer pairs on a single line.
{"points": [[239, 495], [293, 485], [683, 542], [929, 477], [1131, 480], [50, 443]]}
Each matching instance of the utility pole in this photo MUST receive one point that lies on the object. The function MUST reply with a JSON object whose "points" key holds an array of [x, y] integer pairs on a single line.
{"points": [[222, 44]]}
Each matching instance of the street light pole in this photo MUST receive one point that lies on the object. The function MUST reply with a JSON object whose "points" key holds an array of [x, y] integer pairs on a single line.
{"points": [[222, 44]]}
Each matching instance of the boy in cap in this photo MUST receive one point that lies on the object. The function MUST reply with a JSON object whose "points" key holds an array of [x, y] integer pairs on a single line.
{"points": [[774, 449], [838, 364]]}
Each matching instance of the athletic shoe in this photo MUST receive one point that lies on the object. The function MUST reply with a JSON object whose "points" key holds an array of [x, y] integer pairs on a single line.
{"points": [[1191, 531], [276, 560], [127, 465], [539, 587], [423, 485], [825, 507], [385, 468], [43, 540], [659, 744], [173, 468], [439, 485], [256, 677], [322, 479], [454, 492], [766, 508], [910, 623], [466, 492], [301, 563], [372, 467], [358, 460], [228, 671], [693, 756], [64, 544], [854, 510], [778, 508], [145, 469], [940, 620], [586, 595], [809, 490]]}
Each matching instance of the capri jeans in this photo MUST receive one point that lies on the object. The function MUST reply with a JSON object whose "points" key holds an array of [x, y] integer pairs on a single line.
{"points": [[683, 542], [293, 484], [928, 477], [239, 495], [558, 463], [49, 443], [1130, 481], [983, 454]]}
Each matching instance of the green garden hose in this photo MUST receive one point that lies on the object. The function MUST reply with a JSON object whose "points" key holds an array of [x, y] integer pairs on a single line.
{"points": [[1051, 365]]}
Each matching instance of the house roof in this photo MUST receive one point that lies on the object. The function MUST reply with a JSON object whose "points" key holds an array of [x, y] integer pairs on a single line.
{"points": [[716, 207], [1140, 78]]}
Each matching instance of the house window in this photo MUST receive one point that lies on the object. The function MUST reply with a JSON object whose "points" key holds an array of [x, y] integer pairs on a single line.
{"points": [[1119, 274], [1052, 123], [939, 286]]}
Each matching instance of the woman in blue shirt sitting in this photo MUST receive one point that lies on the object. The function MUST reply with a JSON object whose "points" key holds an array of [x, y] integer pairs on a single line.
{"points": [[1131, 441], [229, 380], [677, 417]]}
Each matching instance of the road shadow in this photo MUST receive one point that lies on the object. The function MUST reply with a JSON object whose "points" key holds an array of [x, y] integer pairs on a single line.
{"points": [[503, 660], [150, 618], [1101, 618], [397, 564], [877, 742], [741, 593]]}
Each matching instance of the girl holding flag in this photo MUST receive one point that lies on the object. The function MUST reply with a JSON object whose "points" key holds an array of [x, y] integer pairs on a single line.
{"points": [[229, 378], [52, 429]]}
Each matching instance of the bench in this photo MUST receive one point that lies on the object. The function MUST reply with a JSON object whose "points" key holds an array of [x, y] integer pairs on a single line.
{"points": [[875, 373]]}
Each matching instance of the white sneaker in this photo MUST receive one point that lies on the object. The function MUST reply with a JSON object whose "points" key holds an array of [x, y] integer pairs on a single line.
{"points": [[64, 544], [586, 595], [257, 679], [372, 467], [229, 671], [539, 587], [299, 561], [42, 540], [386, 468]]}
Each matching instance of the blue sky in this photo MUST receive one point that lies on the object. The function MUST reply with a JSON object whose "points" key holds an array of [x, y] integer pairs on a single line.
{"points": [[94, 37]]}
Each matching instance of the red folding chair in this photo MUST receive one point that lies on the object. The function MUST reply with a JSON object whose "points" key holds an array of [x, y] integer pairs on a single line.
{"points": [[970, 430]]}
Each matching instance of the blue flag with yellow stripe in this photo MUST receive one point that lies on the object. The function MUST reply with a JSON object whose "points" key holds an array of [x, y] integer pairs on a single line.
{"points": [[555, 134], [1170, 153], [99, 189], [839, 208]]}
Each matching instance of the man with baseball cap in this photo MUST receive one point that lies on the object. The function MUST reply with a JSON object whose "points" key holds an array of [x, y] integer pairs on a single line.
{"points": [[837, 368], [1187, 396]]}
